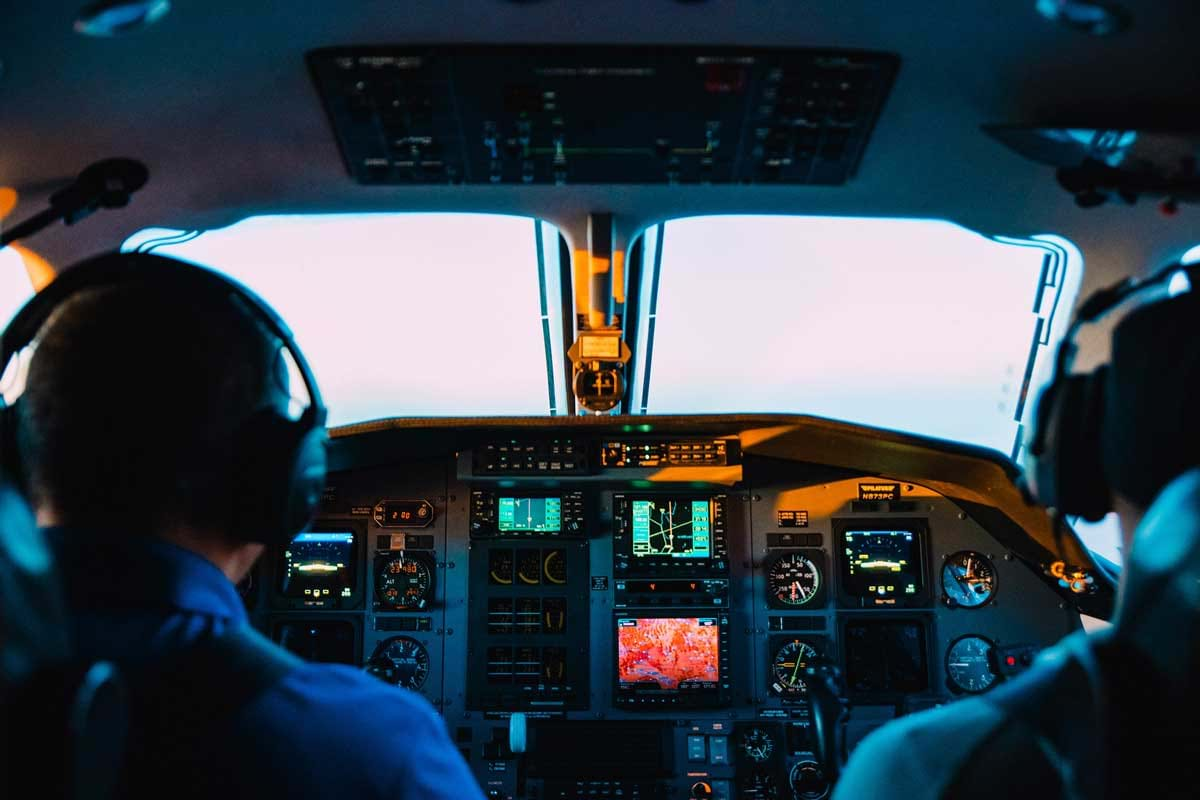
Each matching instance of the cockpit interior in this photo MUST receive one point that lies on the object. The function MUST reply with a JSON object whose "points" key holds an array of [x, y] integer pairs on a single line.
{"points": [[681, 356]]}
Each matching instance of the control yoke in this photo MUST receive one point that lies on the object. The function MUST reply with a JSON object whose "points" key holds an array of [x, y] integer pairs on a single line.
{"points": [[827, 704]]}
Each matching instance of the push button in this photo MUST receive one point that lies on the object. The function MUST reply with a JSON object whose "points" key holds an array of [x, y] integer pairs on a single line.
{"points": [[718, 749], [697, 749]]}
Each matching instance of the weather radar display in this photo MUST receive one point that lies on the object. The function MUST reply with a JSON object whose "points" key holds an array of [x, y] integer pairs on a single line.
{"points": [[673, 528], [675, 654]]}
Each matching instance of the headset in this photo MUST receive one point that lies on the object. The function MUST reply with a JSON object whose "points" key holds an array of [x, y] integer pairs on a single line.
{"points": [[1066, 444], [279, 463]]}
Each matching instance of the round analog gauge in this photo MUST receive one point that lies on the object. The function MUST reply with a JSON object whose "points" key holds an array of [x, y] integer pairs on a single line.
{"points": [[400, 661], [968, 579], [500, 567], [808, 781], [968, 664], [793, 580], [555, 567], [404, 582], [757, 744], [529, 567], [787, 670]]}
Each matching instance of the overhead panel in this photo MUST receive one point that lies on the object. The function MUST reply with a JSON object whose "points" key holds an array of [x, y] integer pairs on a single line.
{"points": [[601, 115]]}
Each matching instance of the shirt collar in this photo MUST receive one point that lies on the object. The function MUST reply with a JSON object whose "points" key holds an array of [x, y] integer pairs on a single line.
{"points": [[106, 569]]}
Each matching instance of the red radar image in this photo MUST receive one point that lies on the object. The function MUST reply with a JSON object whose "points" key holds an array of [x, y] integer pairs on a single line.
{"points": [[668, 652]]}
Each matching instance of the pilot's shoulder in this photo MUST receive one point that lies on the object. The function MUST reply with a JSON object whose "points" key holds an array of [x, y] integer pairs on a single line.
{"points": [[349, 694], [354, 734], [911, 756]]}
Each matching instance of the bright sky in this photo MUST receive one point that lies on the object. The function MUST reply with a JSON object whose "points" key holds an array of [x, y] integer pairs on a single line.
{"points": [[15, 288], [398, 314], [915, 325]]}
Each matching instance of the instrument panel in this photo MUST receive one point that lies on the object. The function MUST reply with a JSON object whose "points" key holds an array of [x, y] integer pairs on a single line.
{"points": [[681, 608]]}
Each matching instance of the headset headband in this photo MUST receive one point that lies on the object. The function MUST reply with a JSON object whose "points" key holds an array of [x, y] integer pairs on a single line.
{"points": [[114, 269], [1102, 301]]}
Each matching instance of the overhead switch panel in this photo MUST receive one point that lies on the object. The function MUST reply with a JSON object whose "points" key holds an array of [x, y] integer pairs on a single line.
{"points": [[601, 115]]}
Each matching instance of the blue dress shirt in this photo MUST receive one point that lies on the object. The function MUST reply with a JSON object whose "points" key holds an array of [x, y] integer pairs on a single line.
{"points": [[322, 731]]}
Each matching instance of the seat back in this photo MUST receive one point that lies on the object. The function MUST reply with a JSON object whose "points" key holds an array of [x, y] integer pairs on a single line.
{"points": [[62, 722]]}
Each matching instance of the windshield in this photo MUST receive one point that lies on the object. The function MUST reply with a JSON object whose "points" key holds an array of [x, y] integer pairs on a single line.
{"points": [[403, 314], [15, 285], [914, 325]]}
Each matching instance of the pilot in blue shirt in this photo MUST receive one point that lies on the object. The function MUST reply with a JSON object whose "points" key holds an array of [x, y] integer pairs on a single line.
{"points": [[156, 447], [322, 730]]}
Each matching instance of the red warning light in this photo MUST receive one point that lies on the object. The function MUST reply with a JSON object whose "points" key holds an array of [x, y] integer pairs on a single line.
{"points": [[1011, 661]]}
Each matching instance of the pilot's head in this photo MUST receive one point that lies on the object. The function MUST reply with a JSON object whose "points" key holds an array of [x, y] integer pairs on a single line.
{"points": [[1151, 424], [1112, 439], [132, 399]]}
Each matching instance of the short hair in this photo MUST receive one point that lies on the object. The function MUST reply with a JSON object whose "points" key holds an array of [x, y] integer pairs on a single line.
{"points": [[1151, 428], [133, 396]]}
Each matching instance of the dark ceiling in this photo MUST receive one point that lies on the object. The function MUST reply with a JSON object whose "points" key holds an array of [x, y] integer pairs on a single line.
{"points": [[217, 101]]}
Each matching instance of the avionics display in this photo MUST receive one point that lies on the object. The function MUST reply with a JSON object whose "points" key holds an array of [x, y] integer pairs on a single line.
{"points": [[882, 564], [656, 534], [319, 568], [675, 528], [668, 660], [529, 514]]}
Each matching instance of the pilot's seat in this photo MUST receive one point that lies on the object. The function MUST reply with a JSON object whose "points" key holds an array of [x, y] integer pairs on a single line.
{"points": [[62, 723]]}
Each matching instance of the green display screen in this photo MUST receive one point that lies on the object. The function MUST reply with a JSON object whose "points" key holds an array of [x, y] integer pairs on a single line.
{"points": [[529, 514]]}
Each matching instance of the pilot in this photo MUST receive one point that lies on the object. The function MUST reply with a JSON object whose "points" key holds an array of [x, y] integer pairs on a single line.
{"points": [[1109, 714], [130, 434]]}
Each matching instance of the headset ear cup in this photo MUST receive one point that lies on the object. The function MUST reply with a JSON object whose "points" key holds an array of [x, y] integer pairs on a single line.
{"points": [[308, 481], [1069, 471], [279, 475]]}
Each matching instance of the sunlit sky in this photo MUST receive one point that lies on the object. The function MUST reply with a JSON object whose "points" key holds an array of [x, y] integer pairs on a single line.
{"points": [[15, 288], [399, 314], [915, 325]]}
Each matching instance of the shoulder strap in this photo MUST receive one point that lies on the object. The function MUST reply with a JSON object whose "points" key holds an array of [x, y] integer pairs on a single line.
{"points": [[184, 706]]}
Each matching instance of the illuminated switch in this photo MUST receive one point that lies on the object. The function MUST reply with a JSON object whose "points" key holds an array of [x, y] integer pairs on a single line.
{"points": [[697, 749], [718, 749], [721, 791]]}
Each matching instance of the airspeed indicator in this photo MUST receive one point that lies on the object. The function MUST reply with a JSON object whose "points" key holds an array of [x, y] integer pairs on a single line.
{"points": [[793, 580]]}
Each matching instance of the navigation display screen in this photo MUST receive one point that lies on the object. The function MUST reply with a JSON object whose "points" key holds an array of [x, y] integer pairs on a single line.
{"points": [[882, 565], [668, 654], [674, 528], [318, 566], [529, 514]]}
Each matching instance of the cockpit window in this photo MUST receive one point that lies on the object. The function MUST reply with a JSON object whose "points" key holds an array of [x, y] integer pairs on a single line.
{"points": [[15, 286], [403, 314], [914, 325]]}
